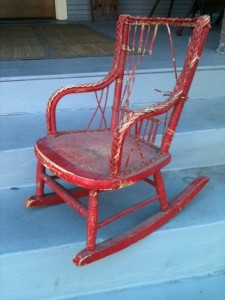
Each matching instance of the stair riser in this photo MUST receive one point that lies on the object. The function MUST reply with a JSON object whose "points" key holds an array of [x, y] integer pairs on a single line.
{"points": [[189, 150], [198, 250], [30, 94], [197, 288]]}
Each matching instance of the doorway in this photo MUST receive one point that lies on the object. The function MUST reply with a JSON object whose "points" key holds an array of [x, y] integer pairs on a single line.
{"points": [[26, 9]]}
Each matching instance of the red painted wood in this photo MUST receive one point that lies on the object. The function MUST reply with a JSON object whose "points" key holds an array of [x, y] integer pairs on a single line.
{"points": [[143, 229], [112, 153], [127, 211], [92, 224], [53, 198], [90, 167]]}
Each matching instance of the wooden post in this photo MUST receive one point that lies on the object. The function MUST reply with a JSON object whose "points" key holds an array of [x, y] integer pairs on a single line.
{"points": [[221, 48]]}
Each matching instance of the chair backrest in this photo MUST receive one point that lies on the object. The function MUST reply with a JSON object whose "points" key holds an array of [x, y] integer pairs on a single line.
{"points": [[136, 40], [154, 124]]}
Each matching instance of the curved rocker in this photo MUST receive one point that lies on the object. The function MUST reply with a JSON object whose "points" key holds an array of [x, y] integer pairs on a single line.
{"points": [[123, 147], [144, 228]]}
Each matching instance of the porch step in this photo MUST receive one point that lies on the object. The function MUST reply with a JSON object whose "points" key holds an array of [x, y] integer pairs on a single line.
{"points": [[198, 115], [198, 288], [38, 244], [185, 259], [29, 94], [199, 141]]}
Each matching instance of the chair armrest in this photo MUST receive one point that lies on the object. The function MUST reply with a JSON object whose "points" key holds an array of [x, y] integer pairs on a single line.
{"points": [[73, 89], [130, 120]]}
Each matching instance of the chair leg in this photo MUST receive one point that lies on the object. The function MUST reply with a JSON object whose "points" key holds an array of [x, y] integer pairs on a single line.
{"points": [[40, 199], [161, 190], [92, 221], [39, 181]]}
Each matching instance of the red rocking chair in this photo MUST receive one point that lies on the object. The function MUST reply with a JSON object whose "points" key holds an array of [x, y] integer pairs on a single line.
{"points": [[125, 146]]}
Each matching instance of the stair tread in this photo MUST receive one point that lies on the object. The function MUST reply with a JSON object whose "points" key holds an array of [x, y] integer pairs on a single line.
{"points": [[198, 115], [38, 244], [20, 68], [202, 287], [25, 229]]}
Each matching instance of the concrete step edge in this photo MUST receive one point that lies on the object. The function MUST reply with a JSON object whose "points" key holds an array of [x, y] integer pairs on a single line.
{"points": [[189, 150], [152, 266]]}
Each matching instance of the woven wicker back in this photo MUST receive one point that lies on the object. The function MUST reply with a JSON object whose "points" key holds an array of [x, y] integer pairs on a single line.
{"points": [[155, 123], [140, 45], [150, 43]]}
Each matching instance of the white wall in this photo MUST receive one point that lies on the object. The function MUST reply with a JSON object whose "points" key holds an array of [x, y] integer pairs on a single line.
{"points": [[61, 9]]}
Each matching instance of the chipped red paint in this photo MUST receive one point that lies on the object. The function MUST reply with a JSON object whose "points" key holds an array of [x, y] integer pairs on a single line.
{"points": [[111, 157]]}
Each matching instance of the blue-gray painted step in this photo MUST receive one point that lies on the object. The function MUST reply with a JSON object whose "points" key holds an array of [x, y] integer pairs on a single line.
{"points": [[38, 244], [191, 149], [30, 94], [207, 287], [199, 141], [23, 130]]}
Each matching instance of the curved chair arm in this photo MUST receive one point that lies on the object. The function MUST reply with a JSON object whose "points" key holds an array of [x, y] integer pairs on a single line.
{"points": [[131, 119], [73, 89], [116, 71]]}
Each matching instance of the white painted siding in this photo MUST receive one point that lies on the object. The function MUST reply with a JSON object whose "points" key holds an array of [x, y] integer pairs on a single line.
{"points": [[79, 10]]}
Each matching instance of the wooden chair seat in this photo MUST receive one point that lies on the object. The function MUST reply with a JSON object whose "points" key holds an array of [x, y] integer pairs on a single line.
{"points": [[83, 158]]}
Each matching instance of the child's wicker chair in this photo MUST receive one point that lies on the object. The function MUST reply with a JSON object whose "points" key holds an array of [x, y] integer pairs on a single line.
{"points": [[125, 146]]}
